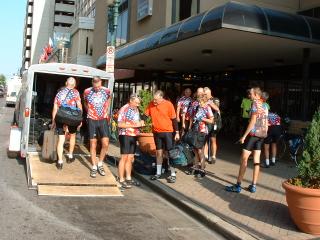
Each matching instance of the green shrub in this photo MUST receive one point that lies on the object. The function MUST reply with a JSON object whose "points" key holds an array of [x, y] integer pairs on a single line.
{"points": [[309, 166], [146, 97]]}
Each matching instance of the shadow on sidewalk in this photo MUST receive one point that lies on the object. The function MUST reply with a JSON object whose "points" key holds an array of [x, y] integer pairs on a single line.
{"points": [[265, 211]]}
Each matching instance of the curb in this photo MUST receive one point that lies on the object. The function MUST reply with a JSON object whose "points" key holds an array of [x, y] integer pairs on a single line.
{"points": [[205, 217]]}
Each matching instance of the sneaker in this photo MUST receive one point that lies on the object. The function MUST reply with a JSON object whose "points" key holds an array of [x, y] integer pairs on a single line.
{"points": [[133, 182], [233, 188], [124, 185], [252, 188], [171, 179], [155, 177], [212, 160], [189, 171], [264, 165], [272, 163], [101, 171], [199, 173], [59, 165], [69, 159], [93, 173]]}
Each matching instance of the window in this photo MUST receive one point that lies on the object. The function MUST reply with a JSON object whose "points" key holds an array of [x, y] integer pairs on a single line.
{"points": [[182, 9]]}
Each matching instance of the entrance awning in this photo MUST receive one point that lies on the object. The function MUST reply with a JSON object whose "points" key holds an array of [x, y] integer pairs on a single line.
{"points": [[234, 34]]}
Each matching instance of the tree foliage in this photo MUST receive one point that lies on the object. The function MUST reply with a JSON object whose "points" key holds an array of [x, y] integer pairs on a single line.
{"points": [[309, 166], [2, 80]]}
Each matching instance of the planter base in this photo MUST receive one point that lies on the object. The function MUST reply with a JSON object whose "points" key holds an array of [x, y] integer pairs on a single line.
{"points": [[304, 207], [146, 143]]}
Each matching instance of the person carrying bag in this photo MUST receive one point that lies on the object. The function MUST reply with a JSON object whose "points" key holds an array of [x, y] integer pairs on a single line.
{"points": [[197, 134], [68, 114], [67, 117]]}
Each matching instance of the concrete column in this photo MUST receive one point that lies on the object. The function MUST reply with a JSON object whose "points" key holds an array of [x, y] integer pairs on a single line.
{"points": [[305, 83]]}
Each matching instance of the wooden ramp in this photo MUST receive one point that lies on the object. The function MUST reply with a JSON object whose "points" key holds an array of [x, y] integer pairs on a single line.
{"points": [[73, 180]]}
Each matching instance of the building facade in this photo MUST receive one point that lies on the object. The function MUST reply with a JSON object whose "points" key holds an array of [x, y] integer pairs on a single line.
{"points": [[82, 32], [172, 44], [45, 19]]}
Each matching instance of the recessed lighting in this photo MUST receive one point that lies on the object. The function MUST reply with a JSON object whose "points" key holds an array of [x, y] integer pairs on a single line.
{"points": [[206, 52]]}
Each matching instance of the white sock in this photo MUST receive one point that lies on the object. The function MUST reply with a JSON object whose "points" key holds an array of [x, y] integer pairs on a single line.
{"points": [[100, 164], [173, 171], [60, 161], [70, 155], [267, 161], [94, 167], [159, 167], [273, 159], [206, 156]]}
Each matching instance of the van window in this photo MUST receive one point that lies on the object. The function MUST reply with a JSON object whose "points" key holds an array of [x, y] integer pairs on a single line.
{"points": [[13, 94]]}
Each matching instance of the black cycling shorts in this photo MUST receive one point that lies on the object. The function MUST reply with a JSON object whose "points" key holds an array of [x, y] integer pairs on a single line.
{"points": [[274, 134], [253, 143], [60, 130], [127, 144], [212, 131], [163, 140], [98, 128]]}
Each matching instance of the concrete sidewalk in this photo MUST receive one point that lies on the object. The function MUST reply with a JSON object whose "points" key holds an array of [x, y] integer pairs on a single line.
{"points": [[262, 215]]}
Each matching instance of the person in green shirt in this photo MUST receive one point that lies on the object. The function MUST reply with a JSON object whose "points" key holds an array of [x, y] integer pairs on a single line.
{"points": [[245, 111]]}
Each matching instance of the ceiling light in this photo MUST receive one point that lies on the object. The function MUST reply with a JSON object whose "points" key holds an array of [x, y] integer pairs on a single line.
{"points": [[206, 52]]}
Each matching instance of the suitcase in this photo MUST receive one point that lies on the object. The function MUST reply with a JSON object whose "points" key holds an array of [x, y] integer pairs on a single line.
{"points": [[49, 147]]}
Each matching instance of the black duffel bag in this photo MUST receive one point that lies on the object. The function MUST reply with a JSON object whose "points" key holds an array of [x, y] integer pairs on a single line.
{"points": [[68, 115], [195, 139]]}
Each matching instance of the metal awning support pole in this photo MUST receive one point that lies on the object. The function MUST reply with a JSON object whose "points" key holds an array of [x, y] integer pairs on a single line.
{"points": [[305, 83]]}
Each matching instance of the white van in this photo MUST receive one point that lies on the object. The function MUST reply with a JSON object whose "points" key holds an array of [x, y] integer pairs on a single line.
{"points": [[40, 84], [13, 88]]}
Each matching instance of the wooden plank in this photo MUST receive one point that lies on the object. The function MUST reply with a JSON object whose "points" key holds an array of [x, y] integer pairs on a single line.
{"points": [[76, 173], [78, 191]]}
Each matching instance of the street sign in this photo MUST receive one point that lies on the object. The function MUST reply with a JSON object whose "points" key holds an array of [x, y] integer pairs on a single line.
{"points": [[110, 59], [144, 9]]}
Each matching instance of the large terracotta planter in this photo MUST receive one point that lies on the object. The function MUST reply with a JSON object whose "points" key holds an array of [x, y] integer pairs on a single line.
{"points": [[304, 207], [146, 143]]}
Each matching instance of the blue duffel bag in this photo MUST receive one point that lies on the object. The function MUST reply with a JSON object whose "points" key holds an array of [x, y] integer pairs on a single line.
{"points": [[180, 155]]}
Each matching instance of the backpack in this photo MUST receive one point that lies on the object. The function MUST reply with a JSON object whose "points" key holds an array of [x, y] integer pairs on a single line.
{"points": [[217, 121]]}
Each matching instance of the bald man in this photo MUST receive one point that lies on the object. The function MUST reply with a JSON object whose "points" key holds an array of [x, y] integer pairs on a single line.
{"points": [[66, 96]]}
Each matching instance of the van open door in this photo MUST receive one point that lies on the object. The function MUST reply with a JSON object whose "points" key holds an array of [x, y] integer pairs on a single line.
{"points": [[39, 87]]}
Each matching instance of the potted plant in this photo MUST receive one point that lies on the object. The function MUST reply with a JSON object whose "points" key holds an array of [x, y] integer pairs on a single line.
{"points": [[145, 139], [303, 191]]}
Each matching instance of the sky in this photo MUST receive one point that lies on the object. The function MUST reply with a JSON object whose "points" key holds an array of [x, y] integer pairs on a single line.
{"points": [[12, 17]]}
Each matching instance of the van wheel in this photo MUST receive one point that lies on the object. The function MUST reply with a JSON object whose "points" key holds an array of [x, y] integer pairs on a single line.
{"points": [[11, 154]]}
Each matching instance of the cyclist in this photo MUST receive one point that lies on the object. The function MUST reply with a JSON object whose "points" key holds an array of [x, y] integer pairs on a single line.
{"points": [[252, 140], [182, 106], [214, 103], [274, 134]]}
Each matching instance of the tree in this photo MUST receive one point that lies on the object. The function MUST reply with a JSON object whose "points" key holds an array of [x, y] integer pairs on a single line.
{"points": [[309, 166], [2, 80]]}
